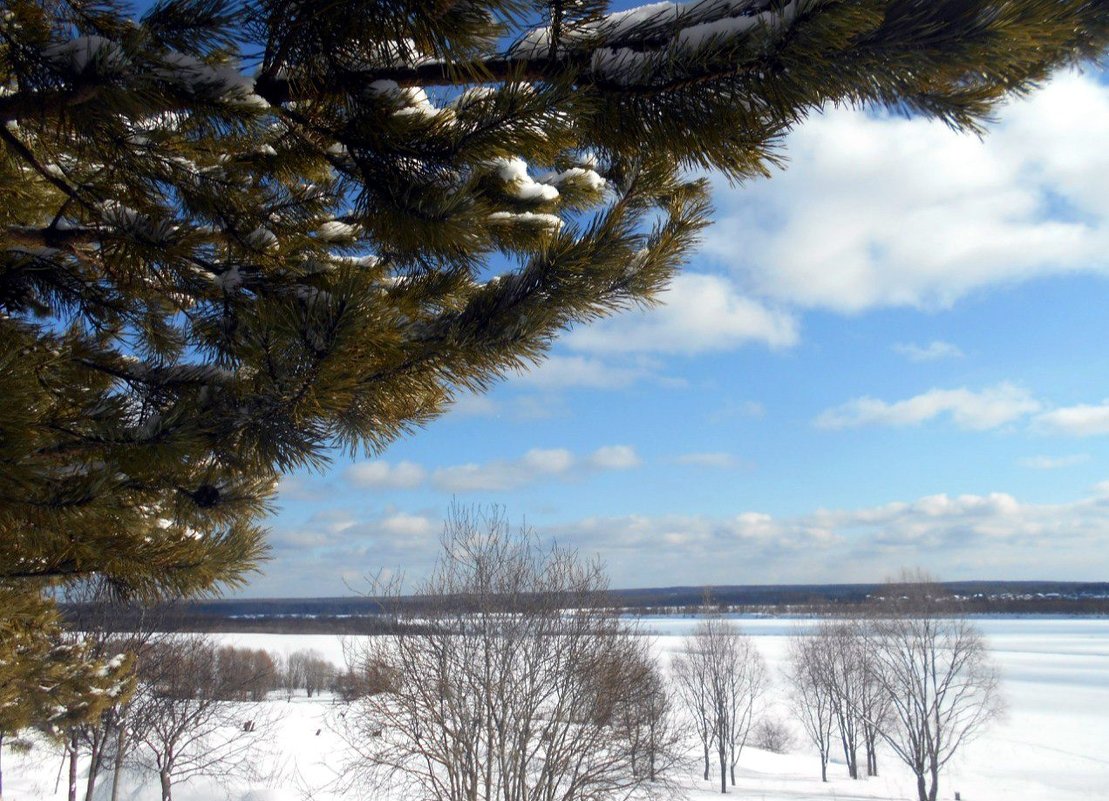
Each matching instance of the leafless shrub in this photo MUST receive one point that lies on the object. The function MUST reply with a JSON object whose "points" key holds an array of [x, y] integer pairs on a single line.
{"points": [[512, 684], [771, 734]]}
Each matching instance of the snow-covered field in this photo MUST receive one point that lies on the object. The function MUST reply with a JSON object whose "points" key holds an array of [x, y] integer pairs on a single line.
{"points": [[1052, 746]]}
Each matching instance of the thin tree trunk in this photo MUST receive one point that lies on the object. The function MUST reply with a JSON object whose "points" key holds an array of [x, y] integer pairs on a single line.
{"points": [[706, 744], [167, 791], [849, 756], [95, 760], [933, 791], [921, 789], [71, 746], [823, 767], [121, 741], [723, 770]]}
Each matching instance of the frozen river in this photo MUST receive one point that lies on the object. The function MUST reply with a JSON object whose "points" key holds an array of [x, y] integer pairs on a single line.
{"points": [[1053, 744]]}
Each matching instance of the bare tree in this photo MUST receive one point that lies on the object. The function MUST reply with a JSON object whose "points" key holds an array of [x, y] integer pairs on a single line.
{"points": [[723, 678], [245, 674], [874, 702], [840, 659], [810, 696], [642, 711], [493, 690], [181, 723], [691, 678], [292, 673], [312, 670], [942, 686]]}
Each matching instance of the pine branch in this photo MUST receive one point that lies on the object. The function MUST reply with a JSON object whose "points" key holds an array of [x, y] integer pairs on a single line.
{"points": [[53, 237]]}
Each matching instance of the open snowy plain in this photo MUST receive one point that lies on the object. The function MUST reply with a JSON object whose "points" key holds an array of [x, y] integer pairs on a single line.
{"points": [[1053, 744]]}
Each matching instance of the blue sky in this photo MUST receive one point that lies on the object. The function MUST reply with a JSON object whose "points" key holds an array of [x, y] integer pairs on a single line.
{"points": [[892, 354]]}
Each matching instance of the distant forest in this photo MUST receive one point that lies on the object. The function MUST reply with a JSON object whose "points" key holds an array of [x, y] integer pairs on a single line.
{"points": [[364, 615]]}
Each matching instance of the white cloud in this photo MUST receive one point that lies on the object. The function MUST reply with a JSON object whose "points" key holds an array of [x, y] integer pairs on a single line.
{"points": [[878, 211], [553, 460], [508, 474], [408, 525], [699, 313], [971, 536], [300, 488], [558, 372], [992, 535], [523, 407], [1083, 420], [473, 405], [403, 475], [1053, 462], [714, 459], [614, 457], [987, 408], [933, 351]]}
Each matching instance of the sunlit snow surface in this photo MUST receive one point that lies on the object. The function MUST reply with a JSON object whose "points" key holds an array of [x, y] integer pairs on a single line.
{"points": [[1053, 745]]}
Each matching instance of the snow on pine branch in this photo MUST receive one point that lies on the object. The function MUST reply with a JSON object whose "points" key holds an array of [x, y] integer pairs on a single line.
{"points": [[77, 54], [586, 176], [514, 172], [199, 78], [527, 218], [628, 43], [411, 99]]}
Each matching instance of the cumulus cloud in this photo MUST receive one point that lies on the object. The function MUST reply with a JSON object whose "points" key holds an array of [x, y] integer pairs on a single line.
{"points": [[335, 552], [977, 410], [535, 465], [547, 461], [1083, 420], [881, 211], [932, 352], [985, 536], [614, 457], [700, 313], [711, 459], [407, 525], [992, 535], [877, 211], [527, 406], [559, 372], [300, 488], [473, 405], [382, 474]]}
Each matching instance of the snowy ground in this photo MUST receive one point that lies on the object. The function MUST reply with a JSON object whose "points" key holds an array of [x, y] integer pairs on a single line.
{"points": [[1053, 745]]}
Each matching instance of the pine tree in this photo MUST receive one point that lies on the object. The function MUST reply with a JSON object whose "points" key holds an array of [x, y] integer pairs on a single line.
{"points": [[238, 235], [48, 680]]}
